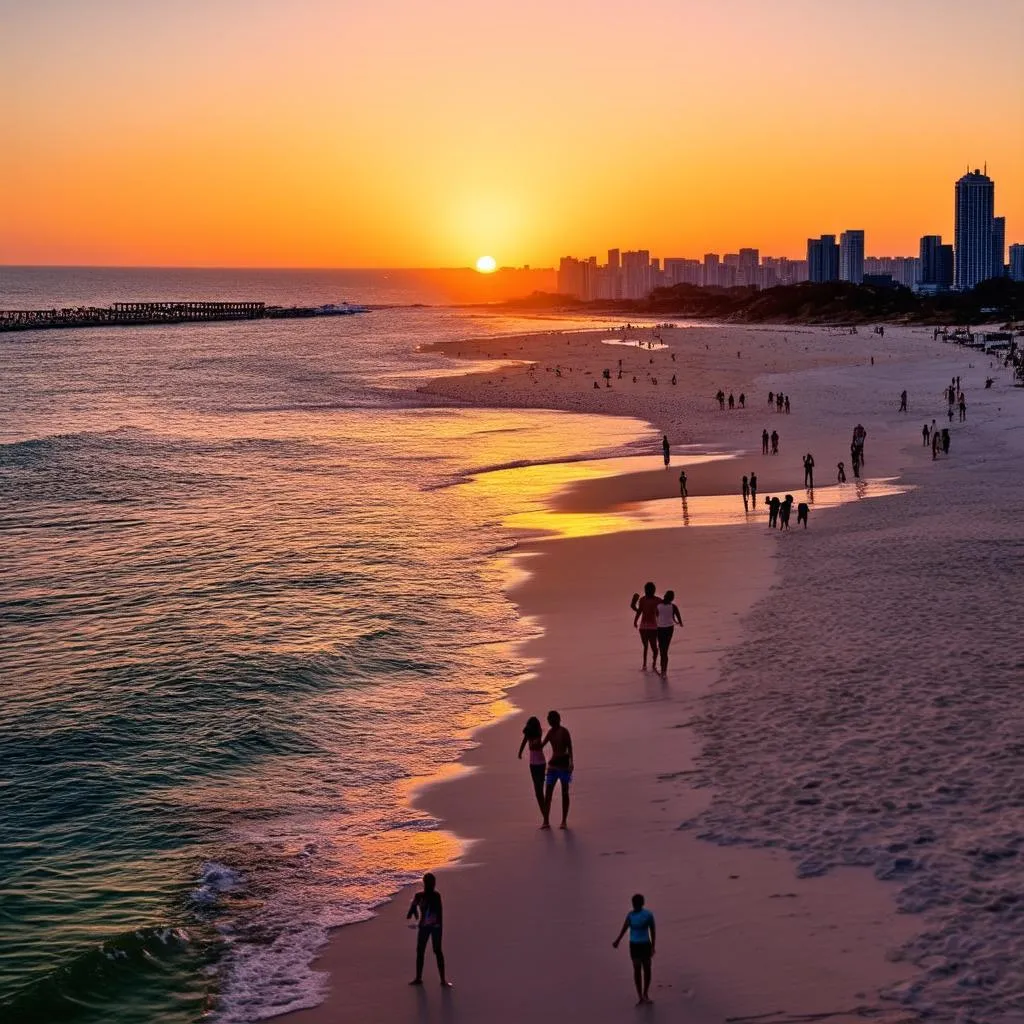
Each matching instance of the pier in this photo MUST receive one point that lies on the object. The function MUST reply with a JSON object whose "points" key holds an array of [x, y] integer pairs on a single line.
{"points": [[124, 314]]}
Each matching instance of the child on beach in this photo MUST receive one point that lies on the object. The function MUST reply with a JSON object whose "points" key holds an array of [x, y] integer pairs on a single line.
{"points": [[639, 923], [426, 908], [533, 737]]}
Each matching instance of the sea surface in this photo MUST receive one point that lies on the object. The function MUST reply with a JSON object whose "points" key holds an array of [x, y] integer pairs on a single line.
{"points": [[247, 606]]}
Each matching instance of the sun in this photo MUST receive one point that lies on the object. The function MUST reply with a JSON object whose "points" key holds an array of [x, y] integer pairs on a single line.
{"points": [[487, 264]]}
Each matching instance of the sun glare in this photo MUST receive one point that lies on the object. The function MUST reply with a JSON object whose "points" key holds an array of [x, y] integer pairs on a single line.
{"points": [[487, 264]]}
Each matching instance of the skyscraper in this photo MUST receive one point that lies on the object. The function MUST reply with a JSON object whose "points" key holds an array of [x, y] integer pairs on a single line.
{"points": [[851, 256], [750, 264], [711, 277], [935, 268], [636, 274], [998, 246], [823, 259], [1017, 262], [973, 243]]}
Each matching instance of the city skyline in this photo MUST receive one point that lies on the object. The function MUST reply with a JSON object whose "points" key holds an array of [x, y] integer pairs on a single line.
{"points": [[322, 133]]}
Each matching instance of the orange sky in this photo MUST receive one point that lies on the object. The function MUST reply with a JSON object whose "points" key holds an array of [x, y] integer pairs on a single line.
{"points": [[415, 133]]}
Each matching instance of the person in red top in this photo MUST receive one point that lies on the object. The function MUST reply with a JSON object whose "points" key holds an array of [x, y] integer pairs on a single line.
{"points": [[646, 620]]}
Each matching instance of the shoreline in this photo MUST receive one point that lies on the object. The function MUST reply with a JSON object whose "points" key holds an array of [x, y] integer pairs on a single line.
{"points": [[556, 896]]}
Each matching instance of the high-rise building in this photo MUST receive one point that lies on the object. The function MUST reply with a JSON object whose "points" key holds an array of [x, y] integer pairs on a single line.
{"points": [[973, 242], [750, 264], [935, 265], [851, 256], [1017, 262], [904, 270], [682, 271], [613, 259], [636, 274], [823, 259], [998, 246], [711, 277]]}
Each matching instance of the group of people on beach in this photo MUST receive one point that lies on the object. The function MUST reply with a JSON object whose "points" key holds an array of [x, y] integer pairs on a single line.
{"points": [[779, 400], [772, 438], [731, 401]]}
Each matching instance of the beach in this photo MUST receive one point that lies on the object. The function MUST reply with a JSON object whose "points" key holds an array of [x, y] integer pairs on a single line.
{"points": [[783, 797]]}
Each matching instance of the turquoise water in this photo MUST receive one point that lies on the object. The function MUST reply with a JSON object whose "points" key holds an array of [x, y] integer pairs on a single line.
{"points": [[242, 614]]}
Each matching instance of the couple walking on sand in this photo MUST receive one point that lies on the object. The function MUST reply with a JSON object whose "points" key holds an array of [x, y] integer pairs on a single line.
{"points": [[656, 618], [547, 773]]}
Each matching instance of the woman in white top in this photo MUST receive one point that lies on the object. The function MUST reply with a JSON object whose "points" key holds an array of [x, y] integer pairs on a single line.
{"points": [[668, 616]]}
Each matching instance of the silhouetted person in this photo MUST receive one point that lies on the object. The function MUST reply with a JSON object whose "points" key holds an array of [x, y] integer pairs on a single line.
{"points": [[720, 397], [732, 401], [963, 409], [743, 400], [753, 490], [666, 449], [673, 375], [764, 442], [668, 619], [802, 512], [945, 441], [775, 442], [936, 441], [771, 397], [646, 620], [773, 511], [787, 405], [426, 908], [640, 925], [841, 476], [784, 509], [533, 737], [903, 401], [778, 402], [559, 767], [746, 494], [808, 470], [951, 413], [682, 483], [855, 459], [924, 434]]}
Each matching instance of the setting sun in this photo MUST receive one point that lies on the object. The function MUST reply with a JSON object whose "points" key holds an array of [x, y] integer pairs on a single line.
{"points": [[487, 264]]}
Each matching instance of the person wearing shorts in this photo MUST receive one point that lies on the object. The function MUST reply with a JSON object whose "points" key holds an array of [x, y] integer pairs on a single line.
{"points": [[646, 621], [426, 908], [668, 616], [639, 923], [559, 770]]}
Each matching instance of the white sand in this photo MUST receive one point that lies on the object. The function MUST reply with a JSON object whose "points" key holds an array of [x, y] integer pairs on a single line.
{"points": [[853, 686]]}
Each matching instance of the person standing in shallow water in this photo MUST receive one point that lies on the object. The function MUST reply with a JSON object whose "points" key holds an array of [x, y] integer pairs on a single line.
{"points": [[808, 470], [533, 737], [560, 767], [753, 491], [746, 494], [682, 483], [666, 449], [426, 908], [642, 933]]}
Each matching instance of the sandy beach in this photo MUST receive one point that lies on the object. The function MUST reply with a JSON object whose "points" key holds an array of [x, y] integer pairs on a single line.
{"points": [[818, 801]]}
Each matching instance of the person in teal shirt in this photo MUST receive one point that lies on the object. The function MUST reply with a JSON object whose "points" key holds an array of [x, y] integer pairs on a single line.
{"points": [[639, 923]]}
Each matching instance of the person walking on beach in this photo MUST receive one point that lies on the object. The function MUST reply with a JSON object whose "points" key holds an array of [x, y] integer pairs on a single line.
{"points": [[666, 449], [775, 442], [773, 511], [753, 491], [640, 925], [764, 441], [646, 620], [732, 402], [533, 737], [682, 483], [743, 400], [924, 434], [720, 398], [426, 908], [841, 476], [903, 401], [809, 470], [746, 495], [784, 509], [787, 405], [963, 408], [559, 767], [668, 618], [935, 445], [945, 441], [771, 397]]}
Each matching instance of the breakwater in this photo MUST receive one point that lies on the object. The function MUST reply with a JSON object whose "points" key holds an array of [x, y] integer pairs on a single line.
{"points": [[122, 314]]}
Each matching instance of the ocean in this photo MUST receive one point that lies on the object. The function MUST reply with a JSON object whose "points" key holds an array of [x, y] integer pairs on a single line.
{"points": [[250, 601]]}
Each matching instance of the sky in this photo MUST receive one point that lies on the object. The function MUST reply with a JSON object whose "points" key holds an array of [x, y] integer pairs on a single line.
{"points": [[416, 133]]}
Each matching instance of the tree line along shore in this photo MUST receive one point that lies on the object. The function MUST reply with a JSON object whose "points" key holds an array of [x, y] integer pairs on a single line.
{"points": [[834, 302]]}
